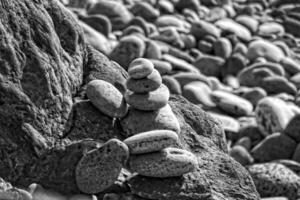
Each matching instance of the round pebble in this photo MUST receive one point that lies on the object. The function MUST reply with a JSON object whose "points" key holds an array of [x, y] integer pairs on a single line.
{"points": [[144, 85], [169, 162], [140, 68], [106, 98], [151, 141], [149, 101], [100, 168]]}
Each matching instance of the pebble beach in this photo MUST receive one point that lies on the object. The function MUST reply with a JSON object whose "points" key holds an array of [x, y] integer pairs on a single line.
{"points": [[151, 100]]}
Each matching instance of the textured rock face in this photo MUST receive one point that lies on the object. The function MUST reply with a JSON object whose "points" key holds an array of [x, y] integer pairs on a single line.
{"points": [[217, 176], [42, 57], [272, 179]]}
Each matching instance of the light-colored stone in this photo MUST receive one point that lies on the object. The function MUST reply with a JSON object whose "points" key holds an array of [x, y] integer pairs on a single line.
{"points": [[38, 193], [231, 103], [229, 123], [138, 121], [271, 28], [106, 98], [264, 48], [198, 93], [98, 169], [248, 21], [140, 68], [272, 115], [239, 30], [149, 101], [145, 85], [151, 141], [169, 162]]}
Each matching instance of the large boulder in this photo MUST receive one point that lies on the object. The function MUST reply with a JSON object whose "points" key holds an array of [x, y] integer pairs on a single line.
{"points": [[44, 62], [217, 177], [42, 59]]}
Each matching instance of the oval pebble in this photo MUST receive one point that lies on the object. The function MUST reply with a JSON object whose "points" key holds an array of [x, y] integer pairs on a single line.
{"points": [[272, 179], [140, 68], [172, 84], [161, 66], [100, 168], [151, 141], [106, 98], [231, 103], [198, 93], [228, 123], [231, 26], [169, 162], [272, 115], [241, 155], [248, 21], [129, 48], [264, 48], [222, 48], [149, 101], [144, 85]]}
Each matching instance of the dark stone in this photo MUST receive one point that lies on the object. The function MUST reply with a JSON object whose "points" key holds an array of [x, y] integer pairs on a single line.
{"points": [[273, 147], [293, 128], [273, 179], [100, 67], [129, 48], [217, 176], [114, 10], [145, 10], [234, 64], [100, 23]]}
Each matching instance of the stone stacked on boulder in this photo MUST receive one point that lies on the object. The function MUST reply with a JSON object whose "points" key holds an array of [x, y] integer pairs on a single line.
{"points": [[148, 99], [150, 147]]}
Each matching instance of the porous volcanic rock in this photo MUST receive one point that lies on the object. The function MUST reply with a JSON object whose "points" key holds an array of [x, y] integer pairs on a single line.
{"points": [[217, 177]]}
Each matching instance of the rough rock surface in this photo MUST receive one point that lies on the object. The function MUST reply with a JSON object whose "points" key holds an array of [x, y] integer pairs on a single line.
{"points": [[217, 176], [273, 179], [44, 61]]}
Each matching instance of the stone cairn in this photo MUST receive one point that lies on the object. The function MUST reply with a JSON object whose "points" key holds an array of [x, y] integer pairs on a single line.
{"points": [[150, 152]]}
